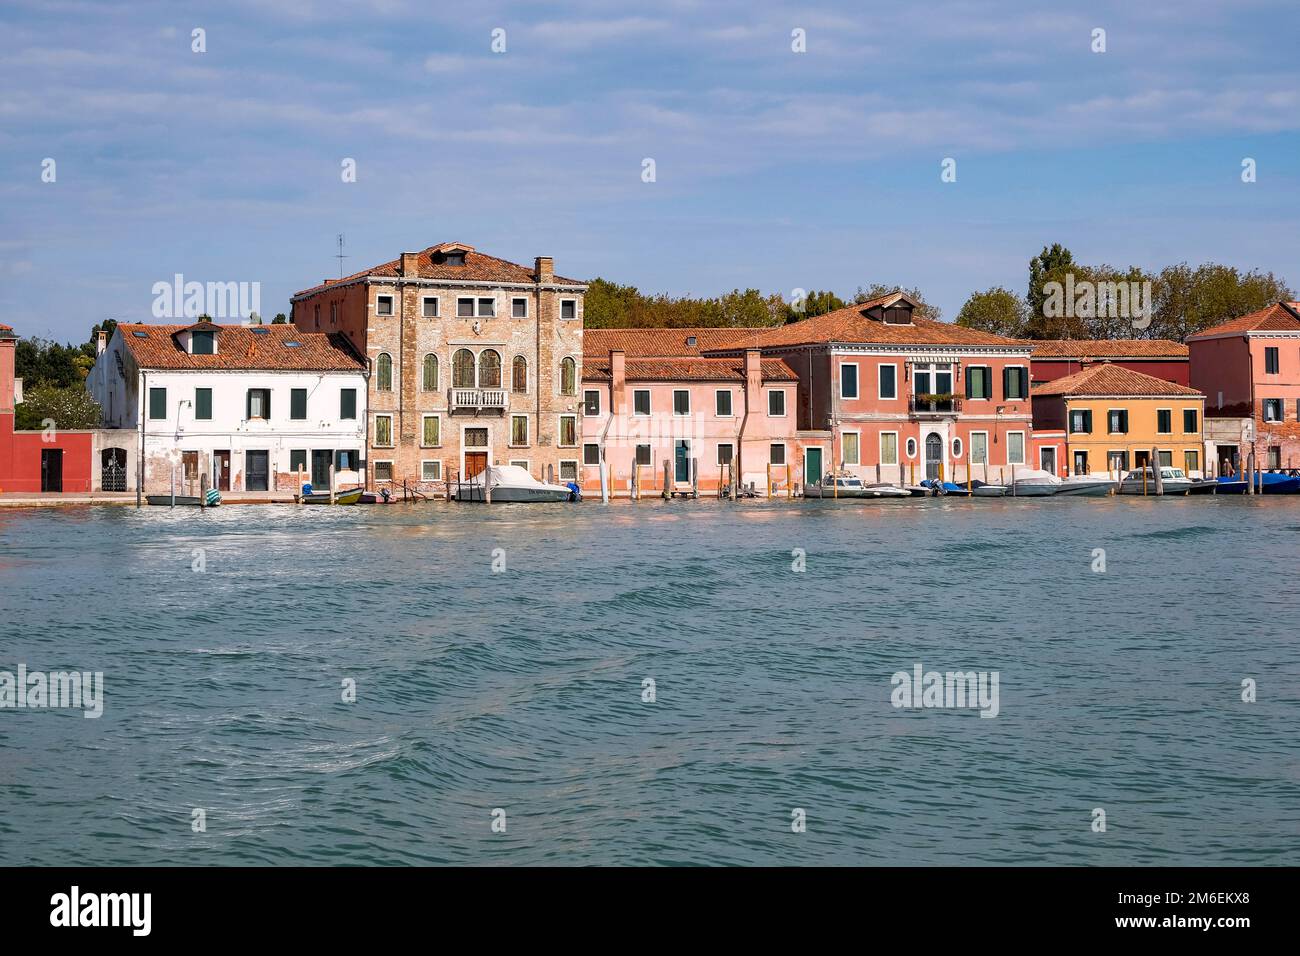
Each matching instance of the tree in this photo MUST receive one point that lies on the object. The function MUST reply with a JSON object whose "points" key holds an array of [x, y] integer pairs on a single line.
{"points": [[1188, 300], [280, 319], [69, 407], [38, 362], [1049, 265], [998, 310]]}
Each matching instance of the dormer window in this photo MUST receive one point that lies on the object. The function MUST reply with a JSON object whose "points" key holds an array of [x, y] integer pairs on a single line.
{"points": [[898, 315], [203, 343], [450, 257], [690, 341]]}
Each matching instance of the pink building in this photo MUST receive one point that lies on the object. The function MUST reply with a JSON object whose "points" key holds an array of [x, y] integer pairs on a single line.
{"points": [[650, 399], [903, 397], [1249, 370]]}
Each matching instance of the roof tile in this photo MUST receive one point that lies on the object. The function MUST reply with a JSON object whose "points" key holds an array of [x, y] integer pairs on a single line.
{"points": [[1279, 317], [1107, 348], [240, 348], [1107, 379], [478, 267]]}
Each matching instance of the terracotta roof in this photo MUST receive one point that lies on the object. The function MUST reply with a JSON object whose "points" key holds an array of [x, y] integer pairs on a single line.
{"points": [[1107, 348], [243, 348], [478, 267], [1279, 317], [659, 343], [850, 325], [1109, 379], [687, 370]]}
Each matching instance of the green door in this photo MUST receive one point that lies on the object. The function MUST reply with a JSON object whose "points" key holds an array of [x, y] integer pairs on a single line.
{"points": [[812, 466], [682, 460]]}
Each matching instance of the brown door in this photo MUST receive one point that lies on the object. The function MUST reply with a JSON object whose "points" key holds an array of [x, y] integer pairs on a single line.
{"points": [[221, 470], [475, 462]]}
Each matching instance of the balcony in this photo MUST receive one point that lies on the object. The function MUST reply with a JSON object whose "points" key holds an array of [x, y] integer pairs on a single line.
{"points": [[933, 404], [478, 399]]}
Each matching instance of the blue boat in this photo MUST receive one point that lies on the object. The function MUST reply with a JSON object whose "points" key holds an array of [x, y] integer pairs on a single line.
{"points": [[945, 488], [1266, 483]]}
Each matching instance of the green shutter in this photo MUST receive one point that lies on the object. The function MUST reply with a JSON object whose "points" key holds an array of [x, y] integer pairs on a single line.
{"points": [[298, 404], [348, 403], [203, 404], [157, 403]]}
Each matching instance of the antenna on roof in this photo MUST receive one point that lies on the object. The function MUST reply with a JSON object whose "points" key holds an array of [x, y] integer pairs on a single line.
{"points": [[340, 256]]}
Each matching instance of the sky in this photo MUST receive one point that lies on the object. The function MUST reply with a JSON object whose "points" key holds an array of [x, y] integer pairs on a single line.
{"points": [[773, 169]]}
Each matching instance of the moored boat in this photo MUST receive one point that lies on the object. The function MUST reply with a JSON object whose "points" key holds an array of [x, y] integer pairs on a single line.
{"points": [[350, 497], [850, 486], [1143, 481], [982, 489], [1084, 485], [211, 499], [1034, 484], [511, 484]]}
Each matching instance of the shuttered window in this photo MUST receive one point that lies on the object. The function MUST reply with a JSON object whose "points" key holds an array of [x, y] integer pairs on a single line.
{"points": [[432, 431], [203, 404], [157, 403], [348, 403], [298, 404]]}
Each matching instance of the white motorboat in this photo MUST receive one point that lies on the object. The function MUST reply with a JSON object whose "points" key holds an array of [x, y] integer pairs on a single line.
{"points": [[1034, 484], [1085, 485], [510, 483], [1143, 481], [980, 489], [850, 486]]}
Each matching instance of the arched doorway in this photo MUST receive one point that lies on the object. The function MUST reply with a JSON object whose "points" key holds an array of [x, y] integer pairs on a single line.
{"points": [[112, 469], [933, 454]]}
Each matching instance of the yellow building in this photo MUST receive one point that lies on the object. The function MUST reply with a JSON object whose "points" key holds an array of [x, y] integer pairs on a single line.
{"points": [[1113, 417]]}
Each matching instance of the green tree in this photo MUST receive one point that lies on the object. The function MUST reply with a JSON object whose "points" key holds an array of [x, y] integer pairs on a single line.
{"points": [[1188, 300], [997, 310], [1049, 265], [280, 319], [69, 407]]}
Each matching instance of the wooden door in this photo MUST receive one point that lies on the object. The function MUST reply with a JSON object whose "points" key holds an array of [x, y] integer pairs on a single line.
{"points": [[475, 463]]}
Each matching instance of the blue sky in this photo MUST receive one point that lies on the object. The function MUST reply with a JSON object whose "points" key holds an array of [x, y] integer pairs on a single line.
{"points": [[774, 169]]}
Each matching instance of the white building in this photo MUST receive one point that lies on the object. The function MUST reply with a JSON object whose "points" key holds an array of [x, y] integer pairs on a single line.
{"points": [[247, 406]]}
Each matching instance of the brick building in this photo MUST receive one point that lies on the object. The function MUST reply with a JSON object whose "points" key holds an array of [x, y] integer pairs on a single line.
{"points": [[473, 361]]}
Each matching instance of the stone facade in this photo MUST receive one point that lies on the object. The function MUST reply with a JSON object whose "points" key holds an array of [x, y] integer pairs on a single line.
{"points": [[443, 331]]}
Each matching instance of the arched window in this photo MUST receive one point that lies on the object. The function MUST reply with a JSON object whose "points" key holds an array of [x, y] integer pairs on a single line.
{"points": [[462, 369], [956, 448], [429, 382], [568, 377], [384, 372], [519, 374], [489, 369], [911, 448]]}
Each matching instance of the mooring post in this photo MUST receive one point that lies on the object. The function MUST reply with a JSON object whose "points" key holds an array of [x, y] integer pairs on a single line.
{"points": [[667, 479], [695, 477]]}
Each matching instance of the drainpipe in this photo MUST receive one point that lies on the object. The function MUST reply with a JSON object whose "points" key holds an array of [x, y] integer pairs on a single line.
{"points": [[738, 460], [139, 477]]}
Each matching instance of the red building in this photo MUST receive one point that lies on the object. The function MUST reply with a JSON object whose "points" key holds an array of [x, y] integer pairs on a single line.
{"points": [[1159, 358], [41, 460]]}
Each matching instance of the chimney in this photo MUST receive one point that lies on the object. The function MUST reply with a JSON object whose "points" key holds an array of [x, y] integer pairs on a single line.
{"points": [[617, 380], [544, 269], [754, 381], [410, 263], [101, 342]]}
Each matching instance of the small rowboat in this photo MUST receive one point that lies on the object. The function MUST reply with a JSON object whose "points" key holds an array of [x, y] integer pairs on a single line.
{"points": [[323, 497]]}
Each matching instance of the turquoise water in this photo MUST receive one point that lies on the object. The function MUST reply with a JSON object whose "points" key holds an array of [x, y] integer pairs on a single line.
{"points": [[522, 690]]}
